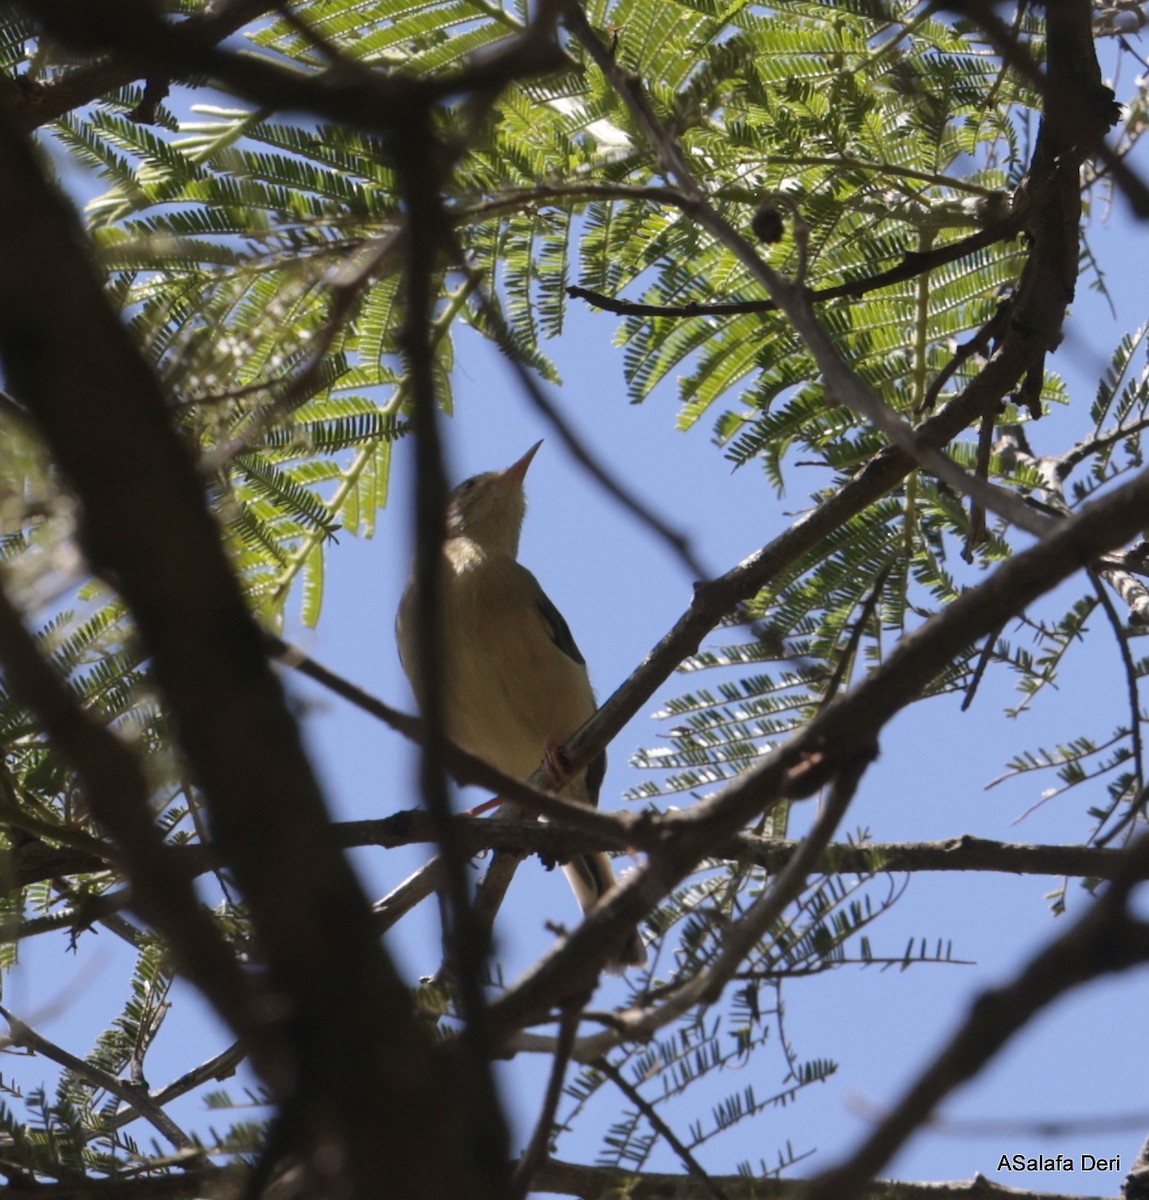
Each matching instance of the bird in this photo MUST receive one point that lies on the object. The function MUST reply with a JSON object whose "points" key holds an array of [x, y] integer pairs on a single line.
{"points": [[514, 684]]}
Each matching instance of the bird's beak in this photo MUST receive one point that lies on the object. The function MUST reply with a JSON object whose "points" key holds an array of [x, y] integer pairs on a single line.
{"points": [[517, 471]]}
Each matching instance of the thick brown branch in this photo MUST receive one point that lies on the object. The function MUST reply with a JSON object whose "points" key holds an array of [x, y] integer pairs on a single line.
{"points": [[556, 838], [34, 104], [139, 37], [555, 1176], [464, 767], [479, 1135]]}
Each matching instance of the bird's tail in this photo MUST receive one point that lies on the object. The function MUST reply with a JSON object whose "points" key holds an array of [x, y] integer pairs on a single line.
{"points": [[591, 877]]}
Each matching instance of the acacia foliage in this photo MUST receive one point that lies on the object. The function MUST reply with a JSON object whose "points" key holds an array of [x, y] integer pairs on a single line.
{"points": [[256, 251]]}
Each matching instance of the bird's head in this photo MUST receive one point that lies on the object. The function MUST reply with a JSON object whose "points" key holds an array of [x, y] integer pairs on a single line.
{"points": [[489, 508]]}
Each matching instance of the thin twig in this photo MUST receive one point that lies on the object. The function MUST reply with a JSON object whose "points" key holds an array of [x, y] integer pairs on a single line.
{"points": [[980, 343], [846, 658], [1130, 671], [221, 1066], [768, 908], [144, 1105], [1064, 463], [538, 1149], [980, 667], [913, 264], [1106, 939], [693, 1167], [976, 533], [345, 285]]}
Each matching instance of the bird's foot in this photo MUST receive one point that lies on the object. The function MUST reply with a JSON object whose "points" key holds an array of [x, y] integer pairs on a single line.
{"points": [[555, 760]]}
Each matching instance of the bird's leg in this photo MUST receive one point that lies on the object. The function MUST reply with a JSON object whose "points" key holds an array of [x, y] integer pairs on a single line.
{"points": [[485, 807], [557, 766]]}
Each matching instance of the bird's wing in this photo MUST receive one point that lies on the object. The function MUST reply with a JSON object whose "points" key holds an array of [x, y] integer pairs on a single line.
{"points": [[557, 627], [559, 633]]}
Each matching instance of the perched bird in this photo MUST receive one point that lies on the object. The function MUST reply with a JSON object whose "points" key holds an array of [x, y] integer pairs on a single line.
{"points": [[514, 683]]}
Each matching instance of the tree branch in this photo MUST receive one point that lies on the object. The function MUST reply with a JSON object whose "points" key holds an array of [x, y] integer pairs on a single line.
{"points": [[464, 767], [554, 838], [1052, 198], [913, 264], [1047, 267], [480, 1133], [145, 43], [710, 1187], [137, 1099], [1106, 939], [34, 104], [538, 1151]]}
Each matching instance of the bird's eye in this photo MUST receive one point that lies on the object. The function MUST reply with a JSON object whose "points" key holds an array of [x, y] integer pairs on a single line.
{"points": [[466, 486]]}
